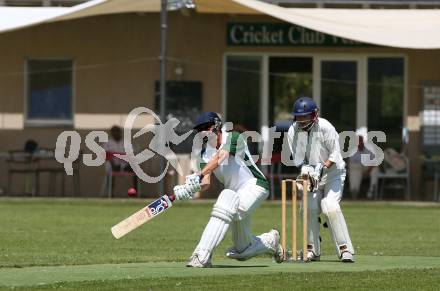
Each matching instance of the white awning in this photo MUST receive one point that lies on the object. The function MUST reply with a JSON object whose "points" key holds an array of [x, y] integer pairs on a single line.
{"points": [[404, 28], [12, 18]]}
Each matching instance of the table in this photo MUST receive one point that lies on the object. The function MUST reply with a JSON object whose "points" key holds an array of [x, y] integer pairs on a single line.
{"points": [[30, 165]]}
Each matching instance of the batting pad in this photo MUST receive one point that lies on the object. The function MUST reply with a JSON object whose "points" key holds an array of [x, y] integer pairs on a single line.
{"points": [[222, 214]]}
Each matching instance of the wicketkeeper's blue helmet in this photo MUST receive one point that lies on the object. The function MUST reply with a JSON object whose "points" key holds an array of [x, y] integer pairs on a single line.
{"points": [[207, 119], [305, 106]]}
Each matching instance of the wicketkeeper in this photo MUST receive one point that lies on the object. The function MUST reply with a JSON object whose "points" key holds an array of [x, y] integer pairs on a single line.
{"points": [[227, 156], [314, 144]]}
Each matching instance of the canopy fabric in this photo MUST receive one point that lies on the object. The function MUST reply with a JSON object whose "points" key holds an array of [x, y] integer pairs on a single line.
{"points": [[115, 6], [223, 6], [12, 18], [404, 28]]}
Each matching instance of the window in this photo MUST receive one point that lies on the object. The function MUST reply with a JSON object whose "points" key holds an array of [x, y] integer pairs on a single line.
{"points": [[49, 92], [339, 93], [184, 102], [385, 98], [431, 118], [289, 79], [243, 91]]}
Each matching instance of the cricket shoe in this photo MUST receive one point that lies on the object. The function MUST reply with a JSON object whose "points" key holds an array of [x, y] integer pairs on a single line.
{"points": [[196, 262], [347, 257], [271, 240], [268, 242], [312, 257], [278, 254]]}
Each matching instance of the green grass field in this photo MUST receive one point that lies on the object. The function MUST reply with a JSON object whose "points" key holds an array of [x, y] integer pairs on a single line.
{"points": [[52, 244]]}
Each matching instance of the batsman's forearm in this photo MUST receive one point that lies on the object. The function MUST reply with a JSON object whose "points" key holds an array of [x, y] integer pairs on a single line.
{"points": [[221, 156], [210, 166], [205, 182]]}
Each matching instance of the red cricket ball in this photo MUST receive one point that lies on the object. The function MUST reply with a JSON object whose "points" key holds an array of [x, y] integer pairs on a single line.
{"points": [[132, 192]]}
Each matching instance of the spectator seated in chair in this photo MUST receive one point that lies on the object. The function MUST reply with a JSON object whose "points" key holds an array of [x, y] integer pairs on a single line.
{"points": [[357, 171], [396, 168], [114, 165]]}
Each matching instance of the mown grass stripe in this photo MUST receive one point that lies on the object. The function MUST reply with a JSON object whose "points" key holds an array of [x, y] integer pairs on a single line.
{"points": [[34, 276]]}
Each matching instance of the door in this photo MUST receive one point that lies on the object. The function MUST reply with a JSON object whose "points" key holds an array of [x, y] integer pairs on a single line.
{"points": [[243, 91], [341, 92]]}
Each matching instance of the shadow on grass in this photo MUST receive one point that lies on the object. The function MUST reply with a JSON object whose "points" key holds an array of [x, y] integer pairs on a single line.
{"points": [[235, 266]]}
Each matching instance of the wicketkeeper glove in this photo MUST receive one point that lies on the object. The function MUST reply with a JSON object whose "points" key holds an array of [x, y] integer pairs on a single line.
{"points": [[314, 173], [182, 192], [318, 170]]}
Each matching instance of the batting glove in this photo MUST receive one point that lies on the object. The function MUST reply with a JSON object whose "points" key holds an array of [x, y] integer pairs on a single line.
{"points": [[193, 183], [182, 193]]}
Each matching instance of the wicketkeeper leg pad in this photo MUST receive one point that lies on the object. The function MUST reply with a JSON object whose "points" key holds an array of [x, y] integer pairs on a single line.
{"points": [[338, 227], [313, 223]]}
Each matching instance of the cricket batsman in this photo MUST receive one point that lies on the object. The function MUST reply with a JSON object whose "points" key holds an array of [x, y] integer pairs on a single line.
{"points": [[314, 144], [227, 156]]}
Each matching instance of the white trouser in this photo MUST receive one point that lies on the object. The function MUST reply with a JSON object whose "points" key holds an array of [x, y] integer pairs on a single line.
{"points": [[251, 196], [327, 200], [355, 174], [233, 209]]}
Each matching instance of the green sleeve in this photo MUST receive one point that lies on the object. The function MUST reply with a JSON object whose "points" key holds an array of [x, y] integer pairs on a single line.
{"points": [[202, 165], [233, 143]]}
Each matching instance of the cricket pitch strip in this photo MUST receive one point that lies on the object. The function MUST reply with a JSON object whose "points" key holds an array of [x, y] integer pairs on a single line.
{"points": [[46, 275]]}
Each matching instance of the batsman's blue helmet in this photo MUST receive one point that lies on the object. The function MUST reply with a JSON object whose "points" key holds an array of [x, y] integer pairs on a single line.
{"points": [[304, 106], [207, 119]]}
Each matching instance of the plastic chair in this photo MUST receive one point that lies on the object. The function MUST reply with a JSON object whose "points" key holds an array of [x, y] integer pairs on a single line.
{"points": [[48, 164], [110, 174], [23, 163], [389, 173]]}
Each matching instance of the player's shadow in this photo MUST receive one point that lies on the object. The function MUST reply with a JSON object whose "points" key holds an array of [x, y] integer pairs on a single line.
{"points": [[241, 266]]}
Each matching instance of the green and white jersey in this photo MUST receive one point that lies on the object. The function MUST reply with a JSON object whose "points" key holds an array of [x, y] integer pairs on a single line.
{"points": [[239, 168]]}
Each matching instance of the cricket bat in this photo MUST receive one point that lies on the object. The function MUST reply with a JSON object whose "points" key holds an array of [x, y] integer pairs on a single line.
{"points": [[142, 216]]}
